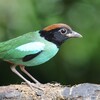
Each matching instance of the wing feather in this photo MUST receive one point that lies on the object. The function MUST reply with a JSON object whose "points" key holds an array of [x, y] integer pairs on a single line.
{"points": [[15, 42], [24, 50]]}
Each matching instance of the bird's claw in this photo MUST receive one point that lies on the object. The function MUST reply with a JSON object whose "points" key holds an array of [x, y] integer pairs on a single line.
{"points": [[38, 86]]}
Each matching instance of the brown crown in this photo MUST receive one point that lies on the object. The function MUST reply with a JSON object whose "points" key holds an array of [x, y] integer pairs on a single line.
{"points": [[55, 26]]}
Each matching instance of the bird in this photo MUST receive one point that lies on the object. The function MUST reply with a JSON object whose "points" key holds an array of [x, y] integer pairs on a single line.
{"points": [[35, 48]]}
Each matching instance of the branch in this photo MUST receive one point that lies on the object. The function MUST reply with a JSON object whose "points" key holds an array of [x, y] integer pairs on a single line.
{"points": [[51, 92]]}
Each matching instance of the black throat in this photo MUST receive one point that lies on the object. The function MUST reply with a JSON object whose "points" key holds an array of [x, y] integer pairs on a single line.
{"points": [[53, 36]]}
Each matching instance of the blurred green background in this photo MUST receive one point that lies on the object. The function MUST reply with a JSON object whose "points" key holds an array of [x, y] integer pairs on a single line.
{"points": [[78, 60]]}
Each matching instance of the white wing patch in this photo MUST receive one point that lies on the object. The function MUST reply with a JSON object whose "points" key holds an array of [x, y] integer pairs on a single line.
{"points": [[32, 46]]}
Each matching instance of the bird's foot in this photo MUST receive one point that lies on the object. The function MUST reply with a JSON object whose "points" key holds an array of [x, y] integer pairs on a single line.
{"points": [[38, 86]]}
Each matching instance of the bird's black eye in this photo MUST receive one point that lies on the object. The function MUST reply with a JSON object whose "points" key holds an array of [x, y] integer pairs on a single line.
{"points": [[63, 31]]}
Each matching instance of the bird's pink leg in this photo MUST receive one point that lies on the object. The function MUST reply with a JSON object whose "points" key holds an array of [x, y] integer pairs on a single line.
{"points": [[28, 74], [13, 68]]}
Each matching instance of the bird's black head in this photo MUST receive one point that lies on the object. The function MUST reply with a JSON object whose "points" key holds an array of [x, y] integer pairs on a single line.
{"points": [[58, 33]]}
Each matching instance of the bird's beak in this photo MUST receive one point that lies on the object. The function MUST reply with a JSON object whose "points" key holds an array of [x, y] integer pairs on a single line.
{"points": [[74, 35]]}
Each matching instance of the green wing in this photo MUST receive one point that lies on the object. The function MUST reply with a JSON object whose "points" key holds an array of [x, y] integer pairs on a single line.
{"points": [[24, 50], [8, 48]]}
